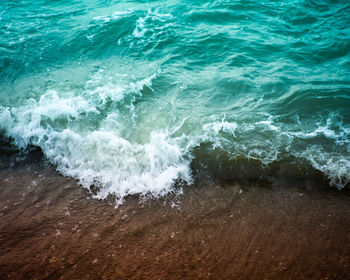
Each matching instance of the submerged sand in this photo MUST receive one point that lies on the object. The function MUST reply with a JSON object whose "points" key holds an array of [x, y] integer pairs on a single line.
{"points": [[50, 228]]}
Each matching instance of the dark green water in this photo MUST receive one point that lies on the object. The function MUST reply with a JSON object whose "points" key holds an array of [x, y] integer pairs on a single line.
{"points": [[132, 95]]}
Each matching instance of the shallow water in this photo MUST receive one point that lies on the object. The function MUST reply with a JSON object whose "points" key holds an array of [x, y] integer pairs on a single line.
{"points": [[51, 229], [132, 96]]}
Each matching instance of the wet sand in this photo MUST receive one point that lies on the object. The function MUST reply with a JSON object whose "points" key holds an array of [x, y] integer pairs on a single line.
{"points": [[50, 228]]}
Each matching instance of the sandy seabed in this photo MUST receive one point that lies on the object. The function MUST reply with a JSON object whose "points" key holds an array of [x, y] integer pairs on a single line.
{"points": [[50, 228]]}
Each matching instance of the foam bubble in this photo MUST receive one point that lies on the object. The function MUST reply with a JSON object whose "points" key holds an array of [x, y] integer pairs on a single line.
{"points": [[99, 156], [116, 15], [154, 22], [120, 167], [335, 166], [216, 127]]}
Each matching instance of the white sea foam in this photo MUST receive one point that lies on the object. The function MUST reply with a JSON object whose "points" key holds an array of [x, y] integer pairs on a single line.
{"points": [[340, 136], [102, 157], [216, 127], [334, 165], [269, 123], [99, 156], [154, 22], [149, 161], [213, 129], [140, 29], [118, 166], [103, 88], [116, 15]]}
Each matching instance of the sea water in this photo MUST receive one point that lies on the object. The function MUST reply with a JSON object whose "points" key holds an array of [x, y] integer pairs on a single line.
{"points": [[133, 96]]}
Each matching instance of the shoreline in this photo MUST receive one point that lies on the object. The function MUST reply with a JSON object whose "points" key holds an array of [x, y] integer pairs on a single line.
{"points": [[50, 228]]}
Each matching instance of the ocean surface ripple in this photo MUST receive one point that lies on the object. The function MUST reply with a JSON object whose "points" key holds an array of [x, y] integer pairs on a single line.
{"points": [[132, 96]]}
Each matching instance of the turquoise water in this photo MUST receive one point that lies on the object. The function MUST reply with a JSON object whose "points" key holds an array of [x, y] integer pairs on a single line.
{"points": [[133, 95]]}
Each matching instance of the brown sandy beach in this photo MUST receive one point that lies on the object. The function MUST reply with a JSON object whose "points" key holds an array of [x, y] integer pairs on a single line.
{"points": [[52, 229]]}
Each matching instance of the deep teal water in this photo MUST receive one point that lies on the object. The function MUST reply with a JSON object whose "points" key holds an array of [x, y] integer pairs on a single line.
{"points": [[132, 95]]}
